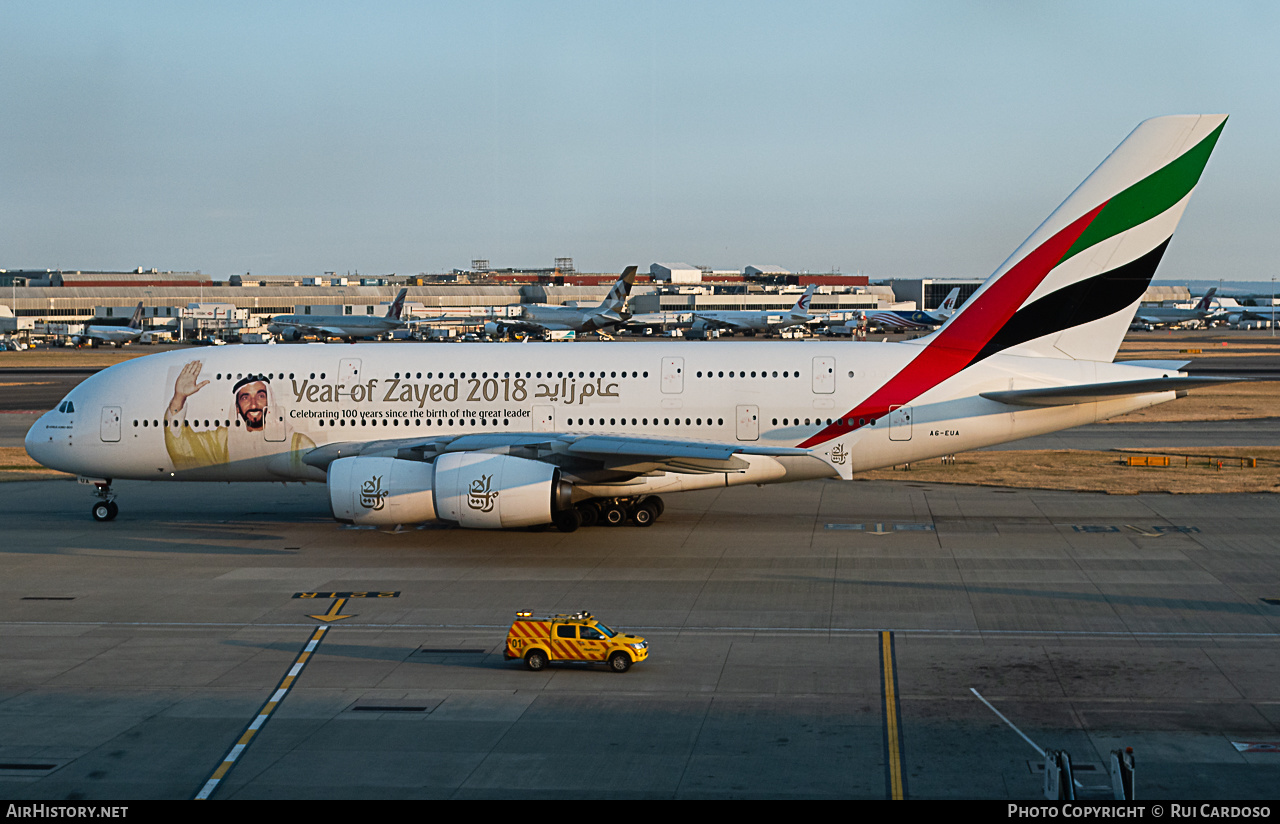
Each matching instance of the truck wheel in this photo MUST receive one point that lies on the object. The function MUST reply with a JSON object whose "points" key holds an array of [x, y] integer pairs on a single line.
{"points": [[619, 662], [536, 660]]}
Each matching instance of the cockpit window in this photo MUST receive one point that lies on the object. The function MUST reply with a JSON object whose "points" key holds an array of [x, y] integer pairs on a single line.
{"points": [[67, 406]]}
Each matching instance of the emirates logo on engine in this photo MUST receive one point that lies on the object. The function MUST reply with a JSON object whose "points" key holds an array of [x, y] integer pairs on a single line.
{"points": [[479, 496], [372, 495]]}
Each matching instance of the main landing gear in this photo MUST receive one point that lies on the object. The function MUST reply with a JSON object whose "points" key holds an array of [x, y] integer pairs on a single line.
{"points": [[104, 509], [611, 512]]}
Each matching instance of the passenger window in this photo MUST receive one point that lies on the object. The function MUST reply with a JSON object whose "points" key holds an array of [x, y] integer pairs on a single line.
{"points": [[566, 631]]}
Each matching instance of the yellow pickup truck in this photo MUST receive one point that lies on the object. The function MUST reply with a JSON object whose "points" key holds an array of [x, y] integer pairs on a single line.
{"points": [[540, 640]]}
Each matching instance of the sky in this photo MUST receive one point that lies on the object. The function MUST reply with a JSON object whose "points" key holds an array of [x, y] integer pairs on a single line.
{"points": [[905, 139]]}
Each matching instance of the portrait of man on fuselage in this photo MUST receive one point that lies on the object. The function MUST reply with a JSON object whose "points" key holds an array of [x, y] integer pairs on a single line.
{"points": [[194, 444]]}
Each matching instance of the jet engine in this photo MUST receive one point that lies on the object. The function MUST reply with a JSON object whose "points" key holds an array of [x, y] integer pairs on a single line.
{"points": [[478, 490]]}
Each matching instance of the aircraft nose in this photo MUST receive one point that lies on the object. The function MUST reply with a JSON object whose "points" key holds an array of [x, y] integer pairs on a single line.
{"points": [[41, 443], [36, 442]]}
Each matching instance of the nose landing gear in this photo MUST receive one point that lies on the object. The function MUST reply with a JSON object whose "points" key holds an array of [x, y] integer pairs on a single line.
{"points": [[105, 508]]}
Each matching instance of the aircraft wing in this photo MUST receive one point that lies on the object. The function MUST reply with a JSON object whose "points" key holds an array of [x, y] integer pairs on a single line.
{"points": [[1089, 392], [619, 456]]}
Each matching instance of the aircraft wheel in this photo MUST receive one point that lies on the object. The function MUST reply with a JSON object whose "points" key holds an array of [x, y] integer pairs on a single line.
{"points": [[590, 514], [104, 511], [613, 515], [568, 521], [645, 514], [656, 501], [115, 510]]}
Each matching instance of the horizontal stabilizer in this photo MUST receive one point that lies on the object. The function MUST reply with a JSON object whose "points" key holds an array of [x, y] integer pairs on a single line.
{"points": [[1171, 365], [1090, 392]]}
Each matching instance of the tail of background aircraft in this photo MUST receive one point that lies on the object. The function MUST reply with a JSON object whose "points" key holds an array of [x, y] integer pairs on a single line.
{"points": [[135, 322], [948, 306], [1072, 288], [1207, 300], [397, 306], [801, 309], [616, 300]]}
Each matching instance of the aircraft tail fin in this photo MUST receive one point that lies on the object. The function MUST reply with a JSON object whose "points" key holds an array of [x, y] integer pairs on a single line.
{"points": [[1207, 300], [1072, 288], [397, 306], [801, 309], [135, 322], [949, 303], [616, 300]]}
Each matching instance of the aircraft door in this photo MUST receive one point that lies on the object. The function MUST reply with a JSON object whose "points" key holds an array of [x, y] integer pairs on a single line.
{"points": [[672, 375], [110, 429], [899, 423], [748, 422], [824, 376], [544, 419], [348, 372]]}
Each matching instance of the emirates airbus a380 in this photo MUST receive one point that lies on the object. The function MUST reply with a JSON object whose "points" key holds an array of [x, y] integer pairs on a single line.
{"points": [[501, 435]]}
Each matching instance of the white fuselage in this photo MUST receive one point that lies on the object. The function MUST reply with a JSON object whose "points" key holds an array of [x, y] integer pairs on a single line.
{"points": [[760, 394], [354, 326], [566, 318], [112, 334], [750, 320]]}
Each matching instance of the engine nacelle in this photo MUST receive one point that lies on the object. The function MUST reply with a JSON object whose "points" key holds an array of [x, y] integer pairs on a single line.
{"points": [[482, 490], [478, 490], [381, 491]]}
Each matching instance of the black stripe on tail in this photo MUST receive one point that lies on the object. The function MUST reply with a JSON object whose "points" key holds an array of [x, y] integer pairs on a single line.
{"points": [[1082, 302]]}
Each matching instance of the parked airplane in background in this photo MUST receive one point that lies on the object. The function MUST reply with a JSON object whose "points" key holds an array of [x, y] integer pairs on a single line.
{"points": [[1233, 312], [348, 327], [96, 333], [1161, 316], [491, 435], [899, 320], [757, 320], [537, 318]]}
